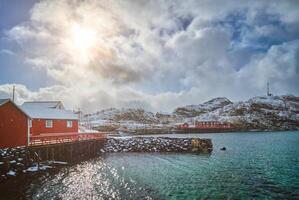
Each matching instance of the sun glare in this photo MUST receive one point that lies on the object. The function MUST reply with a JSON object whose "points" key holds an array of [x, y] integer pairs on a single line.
{"points": [[83, 38], [81, 42]]}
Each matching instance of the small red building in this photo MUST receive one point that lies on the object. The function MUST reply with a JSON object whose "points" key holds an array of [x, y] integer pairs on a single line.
{"points": [[18, 124], [206, 125], [211, 124]]}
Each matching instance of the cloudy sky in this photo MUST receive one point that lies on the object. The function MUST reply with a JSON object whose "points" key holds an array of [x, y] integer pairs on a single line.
{"points": [[95, 54]]}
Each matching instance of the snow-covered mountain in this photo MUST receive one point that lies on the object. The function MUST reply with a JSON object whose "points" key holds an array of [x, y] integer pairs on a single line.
{"points": [[119, 115], [195, 110], [262, 113], [121, 119]]}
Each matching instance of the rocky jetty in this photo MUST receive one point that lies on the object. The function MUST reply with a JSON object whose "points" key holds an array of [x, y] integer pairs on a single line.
{"points": [[158, 144]]}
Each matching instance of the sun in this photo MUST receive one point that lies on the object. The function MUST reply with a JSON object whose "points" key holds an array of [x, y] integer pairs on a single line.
{"points": [[83, 38], [80, 42]]}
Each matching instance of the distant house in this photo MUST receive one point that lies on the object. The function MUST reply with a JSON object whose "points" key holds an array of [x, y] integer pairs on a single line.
{"points": [[205, 124], [18, 123], [14, 125]]}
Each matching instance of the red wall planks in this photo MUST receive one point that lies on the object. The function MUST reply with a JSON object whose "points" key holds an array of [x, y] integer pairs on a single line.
{"points": [[13, 126], [59, 126]]}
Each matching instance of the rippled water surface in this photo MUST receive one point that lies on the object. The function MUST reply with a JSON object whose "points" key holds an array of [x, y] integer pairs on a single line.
{"points": [[255, 166]]}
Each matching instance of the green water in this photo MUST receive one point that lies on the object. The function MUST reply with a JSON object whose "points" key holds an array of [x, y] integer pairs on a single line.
{"points": [[254, 166]]}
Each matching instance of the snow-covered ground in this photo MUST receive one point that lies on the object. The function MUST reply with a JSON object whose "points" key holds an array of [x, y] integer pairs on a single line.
{"points": [[83, 129]]}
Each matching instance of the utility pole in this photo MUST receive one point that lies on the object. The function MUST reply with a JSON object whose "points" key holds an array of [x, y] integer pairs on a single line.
{"points": [[13, 93], [268, 90], [79, 116]]}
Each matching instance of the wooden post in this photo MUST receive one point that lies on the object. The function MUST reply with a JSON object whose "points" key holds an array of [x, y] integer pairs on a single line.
{"points": [[81, 149], [47, 153], [71, 152], [37, 157], [6, 165], [60, 150], [52, 154], [39, 154]]}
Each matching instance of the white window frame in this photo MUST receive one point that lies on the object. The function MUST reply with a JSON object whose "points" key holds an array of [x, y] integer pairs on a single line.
{"points": [[69, 123], [29, 123], [28, 131], [49, 123]]}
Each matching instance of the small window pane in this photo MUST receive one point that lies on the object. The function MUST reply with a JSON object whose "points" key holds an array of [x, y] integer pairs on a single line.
{"points": [[49, 123], [30, 123], [69, 124]]}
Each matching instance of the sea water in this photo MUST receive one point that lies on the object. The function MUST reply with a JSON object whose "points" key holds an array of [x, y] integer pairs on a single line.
{"points": [[261, 165]]}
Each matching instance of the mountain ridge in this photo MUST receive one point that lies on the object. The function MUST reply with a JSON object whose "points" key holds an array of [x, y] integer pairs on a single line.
{"points": [[257, 113]]}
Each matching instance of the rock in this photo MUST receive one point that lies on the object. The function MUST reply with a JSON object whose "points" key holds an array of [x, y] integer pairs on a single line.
{"points": [[223, 149]]}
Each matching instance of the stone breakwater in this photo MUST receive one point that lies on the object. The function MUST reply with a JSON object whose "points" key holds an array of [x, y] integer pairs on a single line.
{"points": [[158, 144]]}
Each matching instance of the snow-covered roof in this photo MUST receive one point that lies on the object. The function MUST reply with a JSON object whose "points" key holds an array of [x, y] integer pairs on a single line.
{"points": [[47, 110], [49, 113], [43, 104]]}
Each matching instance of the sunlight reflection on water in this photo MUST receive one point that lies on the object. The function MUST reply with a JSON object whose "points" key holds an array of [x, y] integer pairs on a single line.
{"points": [[89, 180]]}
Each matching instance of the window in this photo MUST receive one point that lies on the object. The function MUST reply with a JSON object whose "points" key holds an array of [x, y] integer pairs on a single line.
{"points": [[49, 123], [69, 124], [29, 123]]}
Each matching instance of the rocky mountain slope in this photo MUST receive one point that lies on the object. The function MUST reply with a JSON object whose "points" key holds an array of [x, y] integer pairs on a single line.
{"points": [[123, 119], [262, 113], [258, 113], [195, 110], [117, 115]]}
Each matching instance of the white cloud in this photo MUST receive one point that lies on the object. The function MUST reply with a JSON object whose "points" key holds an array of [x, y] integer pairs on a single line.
{"points": [[159, 55], [280, 66]]}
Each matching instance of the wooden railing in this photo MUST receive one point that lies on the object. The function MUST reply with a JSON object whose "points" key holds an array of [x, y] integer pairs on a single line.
{"points": [[54, 138]]}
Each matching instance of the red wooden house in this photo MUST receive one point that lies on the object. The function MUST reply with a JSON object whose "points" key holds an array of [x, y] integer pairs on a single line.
{"points": [[14, 125], [19, 124]]}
